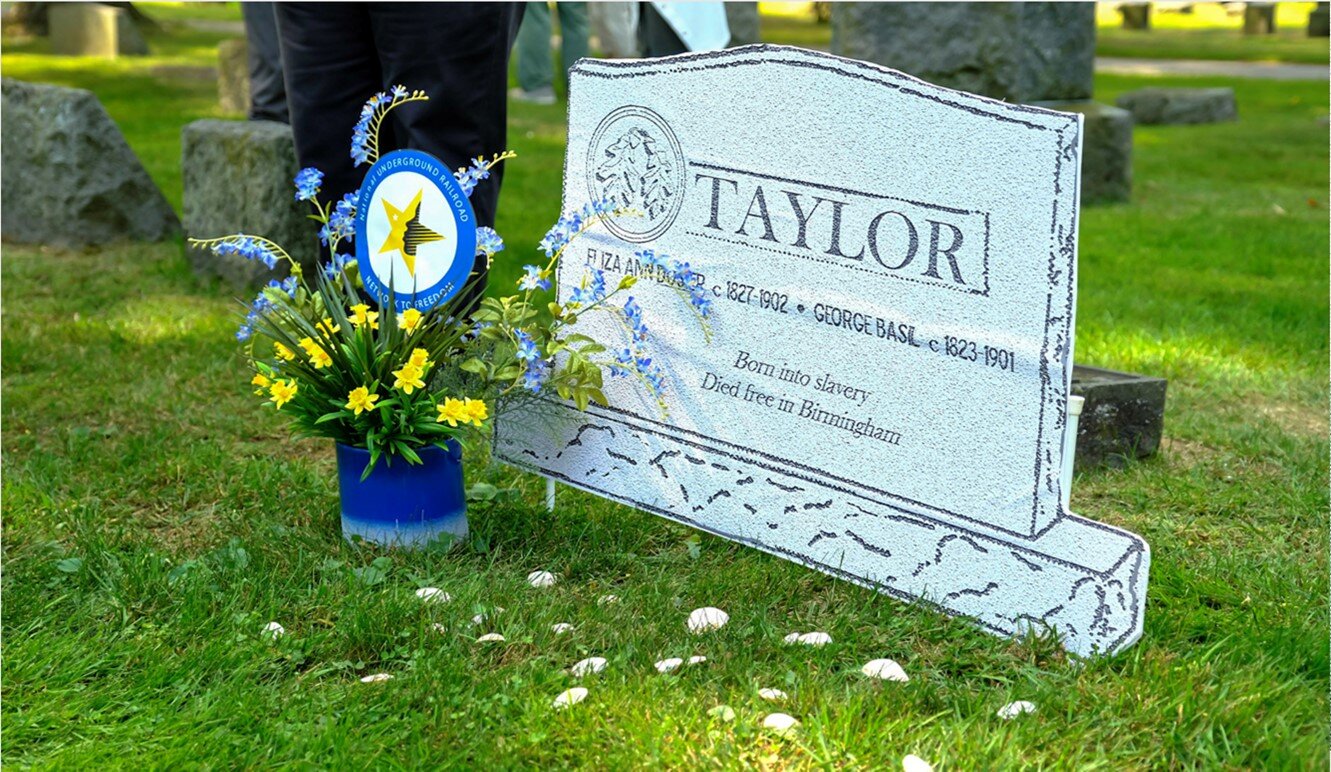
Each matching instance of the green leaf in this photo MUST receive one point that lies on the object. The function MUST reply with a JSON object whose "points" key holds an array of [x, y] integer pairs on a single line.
{"points": [[474, 365], [69, 565]]}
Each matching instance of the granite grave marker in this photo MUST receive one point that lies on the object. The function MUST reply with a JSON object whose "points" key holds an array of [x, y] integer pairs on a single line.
{"points": [[884, 398]]}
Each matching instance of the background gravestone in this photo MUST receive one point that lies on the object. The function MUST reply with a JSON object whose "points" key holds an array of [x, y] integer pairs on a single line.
{"points": [[1259, 19], [237, 178], [92, 29], [1042, 53], [1136, 15], [233, 76], [1319, 21], [744, 23], [1180, 105], [69, 176], [1015, 52]]}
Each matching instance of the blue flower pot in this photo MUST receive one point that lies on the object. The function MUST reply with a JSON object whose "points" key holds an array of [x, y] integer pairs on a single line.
{"points": [[403, 505]]}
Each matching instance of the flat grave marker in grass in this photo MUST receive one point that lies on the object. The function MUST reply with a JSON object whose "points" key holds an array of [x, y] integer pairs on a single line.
{"points": [[892, 268]]}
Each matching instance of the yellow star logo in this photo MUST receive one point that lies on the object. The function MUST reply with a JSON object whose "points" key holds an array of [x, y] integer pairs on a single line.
{"points": [[405, 231]]}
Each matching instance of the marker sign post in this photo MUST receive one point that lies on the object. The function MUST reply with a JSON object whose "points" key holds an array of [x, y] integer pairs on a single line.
{"points": [[415, 231], [884, 399]]}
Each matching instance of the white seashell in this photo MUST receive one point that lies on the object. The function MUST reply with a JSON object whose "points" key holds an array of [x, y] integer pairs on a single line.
{"points": [[433, 595], [559, 628], [780, 723], [792, 638], [697, 660], [490, 638], [481, 619], [542, 579], [570, 697], [588, 666], [723, 712], [886, 669], [913, 763], [707, 618], [772, 695], [669, 665], [814, 639], [606, 600], [376, 678], [1014, 709], [274, 630]]}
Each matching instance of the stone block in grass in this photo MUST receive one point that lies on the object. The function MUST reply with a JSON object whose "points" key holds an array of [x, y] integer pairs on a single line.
{"points": [[1152, 106]]}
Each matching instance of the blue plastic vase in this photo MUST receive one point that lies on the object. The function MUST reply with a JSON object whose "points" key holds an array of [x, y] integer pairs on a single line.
{"points": [[403, 505]]}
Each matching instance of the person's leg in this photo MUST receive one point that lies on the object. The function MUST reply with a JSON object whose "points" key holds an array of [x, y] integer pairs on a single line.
{"points": [[331, 68], [572, 33], [268, 94], [533, 48], [458, 54], [655, 34]]}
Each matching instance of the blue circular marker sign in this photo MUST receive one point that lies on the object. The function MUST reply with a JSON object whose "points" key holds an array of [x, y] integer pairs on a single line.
{"points": [[415, 231]]}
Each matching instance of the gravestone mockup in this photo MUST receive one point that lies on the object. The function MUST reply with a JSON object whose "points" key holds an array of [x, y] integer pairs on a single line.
{"points": [[884, 398]]}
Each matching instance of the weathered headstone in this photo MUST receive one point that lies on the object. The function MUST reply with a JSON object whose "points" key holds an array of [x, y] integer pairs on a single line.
{"points": [[744, 23], [1017, 52], [92, 29], [1319, 21], [885, 395], [1259, 18], [1180, 105], [1123, 417], [1106, 158], [233, 76], [237, 178], [1135, 15], [70, 178]]}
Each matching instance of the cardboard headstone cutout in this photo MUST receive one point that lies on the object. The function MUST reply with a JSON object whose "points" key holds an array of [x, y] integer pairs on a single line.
{"points": [[884, 399]]}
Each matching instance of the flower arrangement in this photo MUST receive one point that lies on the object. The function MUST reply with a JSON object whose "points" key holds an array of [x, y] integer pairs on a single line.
{"points": [[393, 381]]}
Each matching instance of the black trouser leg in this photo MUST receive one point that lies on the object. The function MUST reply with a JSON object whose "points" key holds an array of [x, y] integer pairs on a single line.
{"points": [[268, 94]]}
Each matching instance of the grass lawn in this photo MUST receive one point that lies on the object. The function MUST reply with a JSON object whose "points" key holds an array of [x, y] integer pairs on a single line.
{"points": [[155, 520]]}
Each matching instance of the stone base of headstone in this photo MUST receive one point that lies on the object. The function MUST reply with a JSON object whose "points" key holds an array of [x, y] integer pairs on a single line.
{"points": [[1180, 105], [1319, 21], [1017, 52], [70, 178], [1106, 159], [91, 29], [233, 76], [744, 23], [237, 179], [1122, 419], [1136, 15], [1259, 19]]}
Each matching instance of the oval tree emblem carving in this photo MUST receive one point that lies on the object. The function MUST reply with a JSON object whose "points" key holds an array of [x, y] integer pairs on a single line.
{"points": [[634, 159]]}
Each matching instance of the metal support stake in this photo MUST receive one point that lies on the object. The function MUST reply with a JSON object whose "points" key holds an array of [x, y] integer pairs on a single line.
{"points": [[1070, 446], [549, 495]]}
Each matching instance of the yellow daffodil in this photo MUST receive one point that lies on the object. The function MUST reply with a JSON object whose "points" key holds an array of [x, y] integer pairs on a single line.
{"points": [[452, 411], [327, 328], [361, 315], [282, 392], [318, 357], [360, 399], [261, 381], [476, 410], [283, 352], [420, 358], [408, 378], [409, 320]]}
